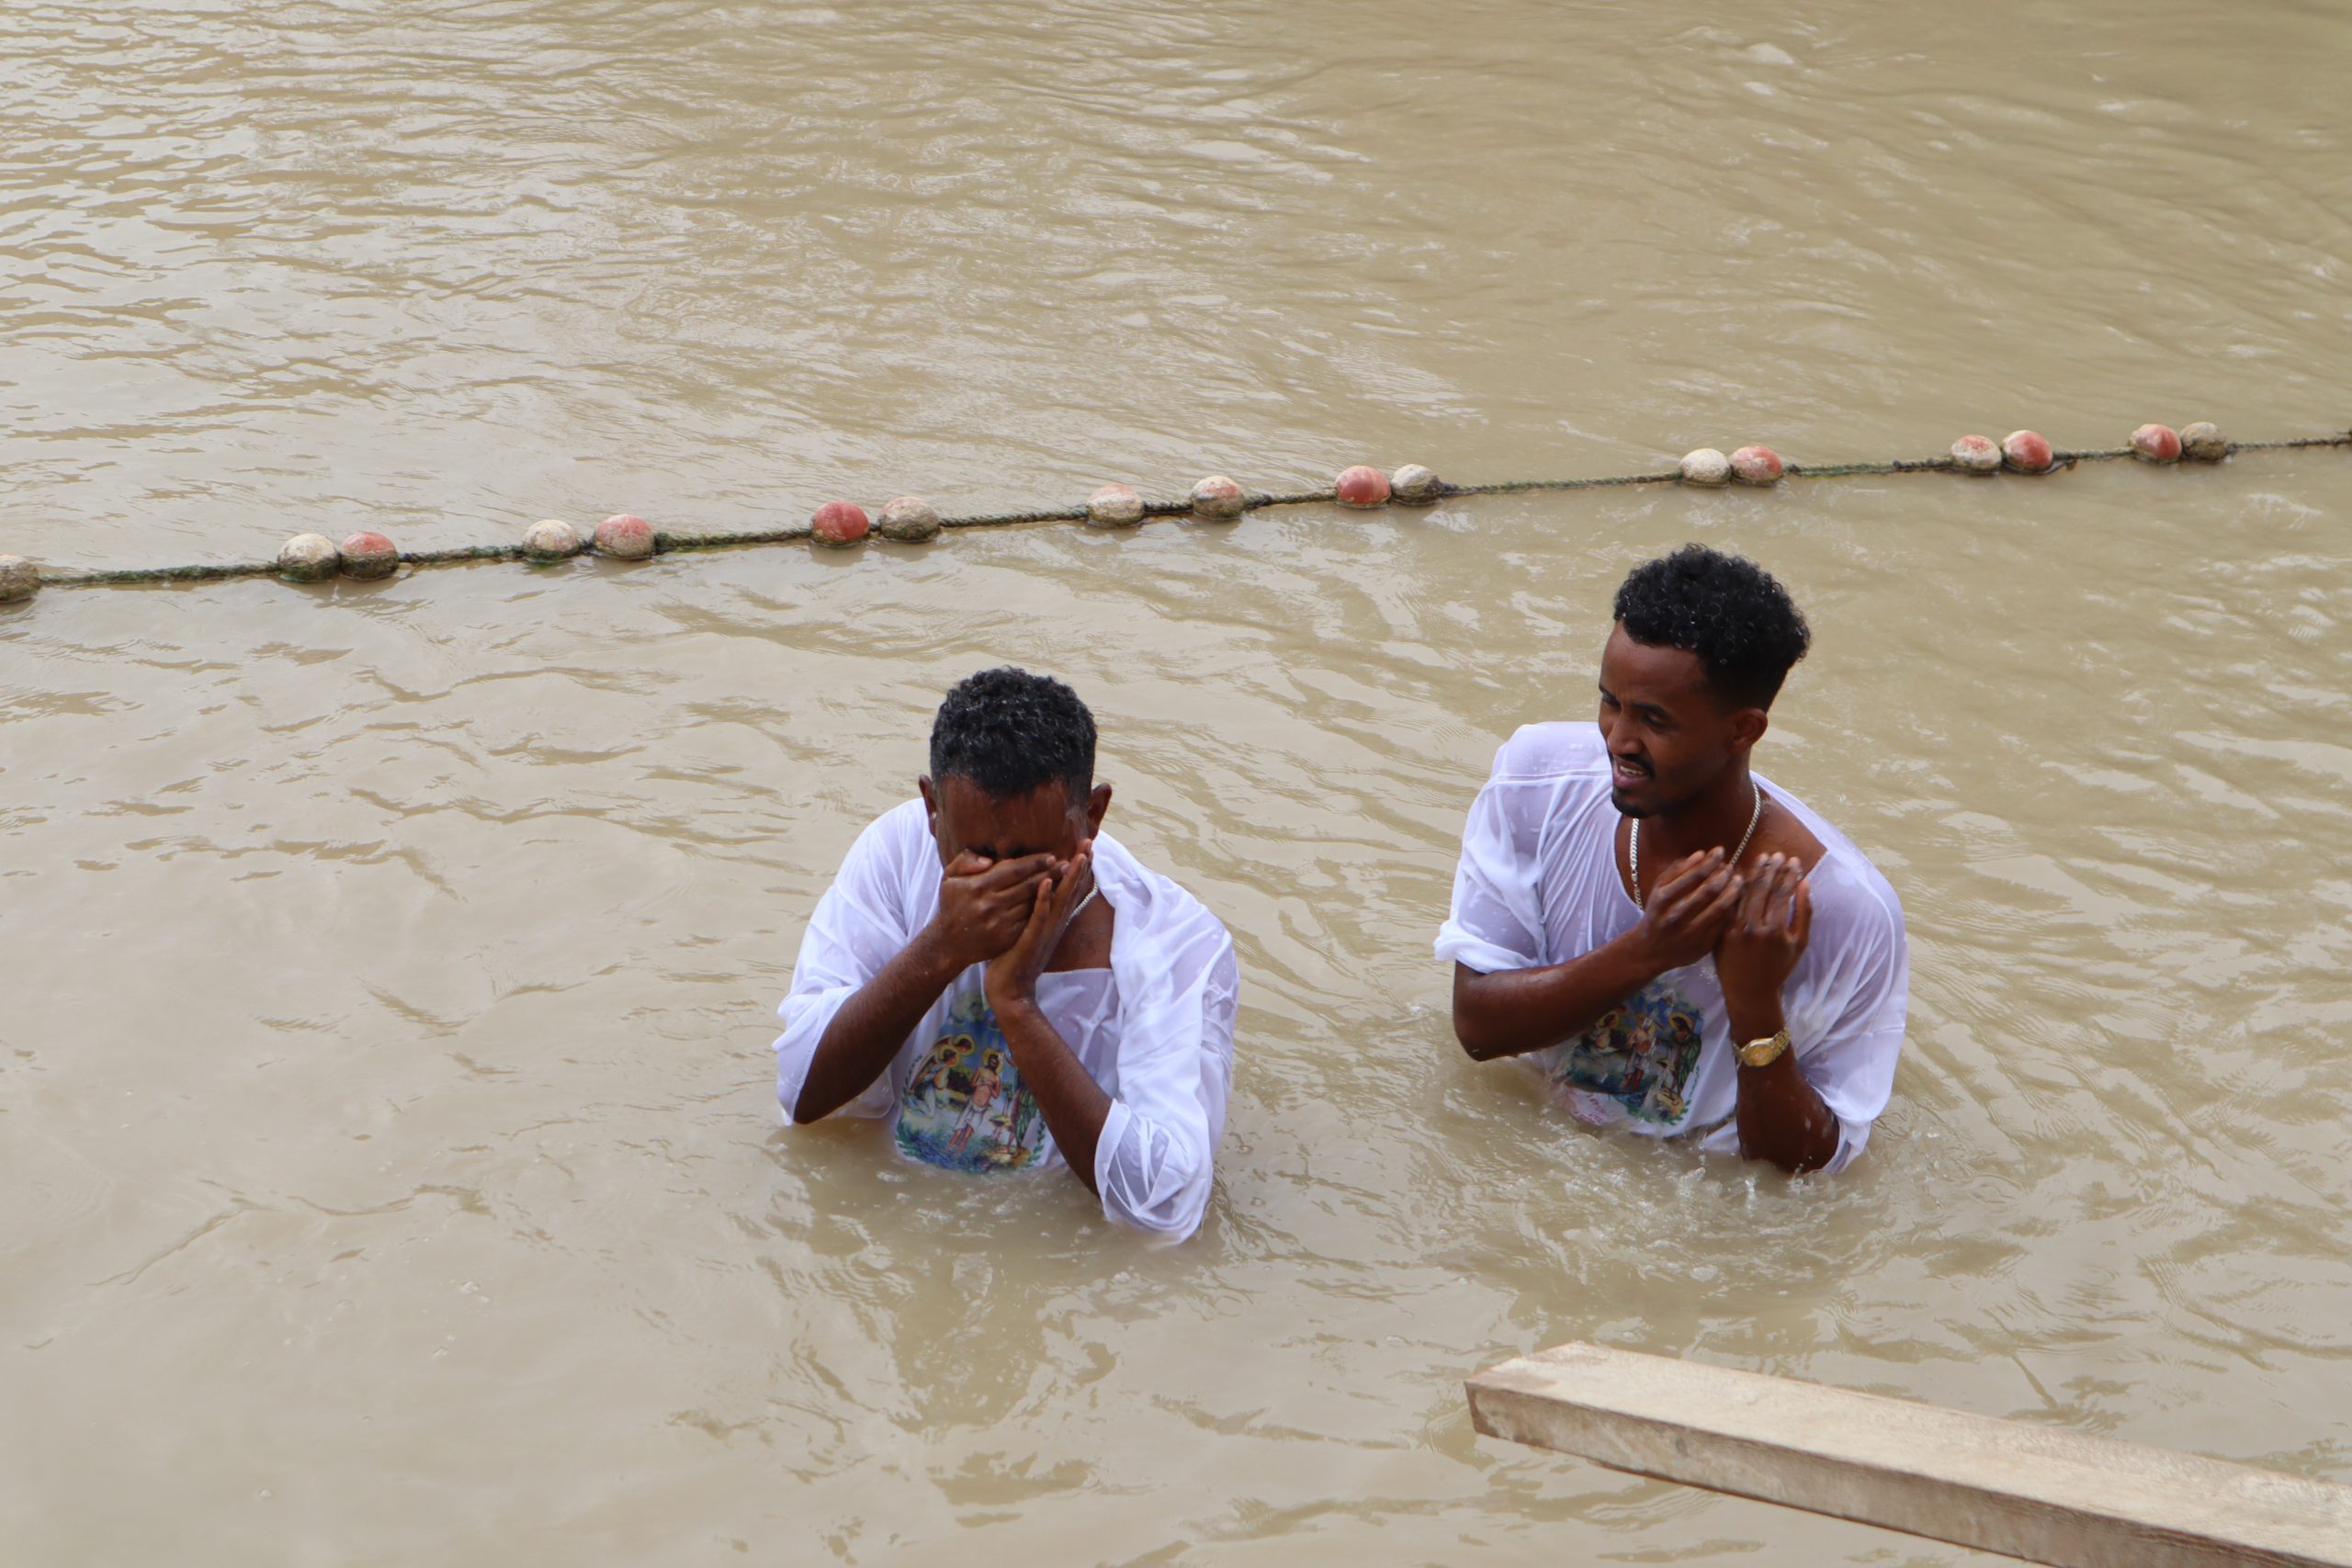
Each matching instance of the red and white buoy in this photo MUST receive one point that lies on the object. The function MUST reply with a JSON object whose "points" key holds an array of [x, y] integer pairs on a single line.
{"points": [[368, 555], [624, 536], [1757, 466], [1361, 486], [1218, 499], [2156, 443], [2027, 452], [839, 524]]}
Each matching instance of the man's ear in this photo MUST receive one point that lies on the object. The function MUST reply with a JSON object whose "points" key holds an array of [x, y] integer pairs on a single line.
{"points": [[930, 802], [1747, 727], [1097, 804]]}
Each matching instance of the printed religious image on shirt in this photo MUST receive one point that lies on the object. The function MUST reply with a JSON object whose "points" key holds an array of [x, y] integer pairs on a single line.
{"points": [[964, 1107], [1640, 1056]]}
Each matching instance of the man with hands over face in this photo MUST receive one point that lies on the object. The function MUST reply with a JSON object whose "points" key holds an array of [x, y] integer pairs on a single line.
{"points": [[1681, 945], [1006, 984]]}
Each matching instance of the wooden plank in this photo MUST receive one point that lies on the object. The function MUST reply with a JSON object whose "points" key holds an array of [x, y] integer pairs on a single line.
{"points": [[2025, 1491]]}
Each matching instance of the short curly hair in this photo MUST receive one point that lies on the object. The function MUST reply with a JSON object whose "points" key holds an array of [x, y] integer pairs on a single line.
{"points": [[1730, 612], [1009, 732]]}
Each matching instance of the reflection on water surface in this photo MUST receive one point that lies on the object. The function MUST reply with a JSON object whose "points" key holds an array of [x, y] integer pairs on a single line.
{"points": [[386, 1110]]}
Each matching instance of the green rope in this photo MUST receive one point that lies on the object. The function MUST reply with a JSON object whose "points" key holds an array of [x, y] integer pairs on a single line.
{"points": [[2297, 442], [1893, 465], [460, 554], [220, 571], [1045, 515], [1521, 487], [672, 541], [667, 541]]}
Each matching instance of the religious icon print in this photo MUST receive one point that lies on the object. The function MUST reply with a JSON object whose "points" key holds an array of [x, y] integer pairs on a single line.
{"points": [[1640, 1055], [964, 1106]]}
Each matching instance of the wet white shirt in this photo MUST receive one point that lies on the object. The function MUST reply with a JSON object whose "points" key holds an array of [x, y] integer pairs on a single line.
{"points": [[1155, 1029], [1538, 884]]}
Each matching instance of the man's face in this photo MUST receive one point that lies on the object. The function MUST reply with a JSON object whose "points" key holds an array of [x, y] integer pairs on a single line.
{"points": [[1668, 736], [1044, 821]]}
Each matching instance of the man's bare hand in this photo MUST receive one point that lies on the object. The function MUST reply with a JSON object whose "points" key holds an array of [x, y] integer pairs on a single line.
{"points": [[1766, 935], [1687, 912], [984, 904], [1012, 974]]}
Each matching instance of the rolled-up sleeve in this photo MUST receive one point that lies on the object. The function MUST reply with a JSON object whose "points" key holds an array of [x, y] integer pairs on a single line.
{"points": [[1155, 1162], [1497, 919], [857, 927], [1851, 1064]]}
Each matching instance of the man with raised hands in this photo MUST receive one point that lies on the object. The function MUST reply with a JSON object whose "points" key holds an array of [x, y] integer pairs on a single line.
{"points": [[1683, 946], [1006, 984]]}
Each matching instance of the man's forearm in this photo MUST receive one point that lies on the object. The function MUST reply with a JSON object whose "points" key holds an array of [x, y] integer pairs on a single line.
{"points": [[1513, 1011], [871, 1026], [1073, 1104], [1781, 1116]]}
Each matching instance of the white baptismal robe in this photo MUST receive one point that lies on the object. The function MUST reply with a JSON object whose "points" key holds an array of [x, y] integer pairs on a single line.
{"points": [[1155, 1029]]}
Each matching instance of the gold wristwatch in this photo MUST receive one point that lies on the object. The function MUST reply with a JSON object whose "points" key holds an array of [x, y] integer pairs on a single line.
{"points": [[1765, 1051]]}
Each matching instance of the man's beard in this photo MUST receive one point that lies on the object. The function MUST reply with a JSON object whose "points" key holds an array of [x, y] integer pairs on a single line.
{"points": [[1655, 802], [1653, 806]]}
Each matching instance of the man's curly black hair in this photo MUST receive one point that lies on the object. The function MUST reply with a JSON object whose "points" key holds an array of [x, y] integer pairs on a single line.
{"points": [[1009, 731], [1728, 610]]}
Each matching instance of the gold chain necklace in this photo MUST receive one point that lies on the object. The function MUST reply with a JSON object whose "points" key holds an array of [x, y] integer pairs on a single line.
{"points": [[1634, 846]]}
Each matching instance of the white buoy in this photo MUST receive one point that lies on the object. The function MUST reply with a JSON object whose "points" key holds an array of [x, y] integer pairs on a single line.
{"points": [[1976, 454], [308, 558], [19, 579], [2203, 442], [551, 539], [1706, 466], [1415, 486], [911, 520], [1114, 506]]}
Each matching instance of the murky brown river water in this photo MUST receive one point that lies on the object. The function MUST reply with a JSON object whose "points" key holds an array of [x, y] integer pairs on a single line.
{"points": [[391, 1164]]}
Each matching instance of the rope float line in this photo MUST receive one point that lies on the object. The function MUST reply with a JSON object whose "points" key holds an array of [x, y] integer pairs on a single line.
{"points": [[313, 558]]}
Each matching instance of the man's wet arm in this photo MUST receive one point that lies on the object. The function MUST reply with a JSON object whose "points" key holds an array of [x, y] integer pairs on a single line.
{"points": [[1513, 1011], [870, 1027]]}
